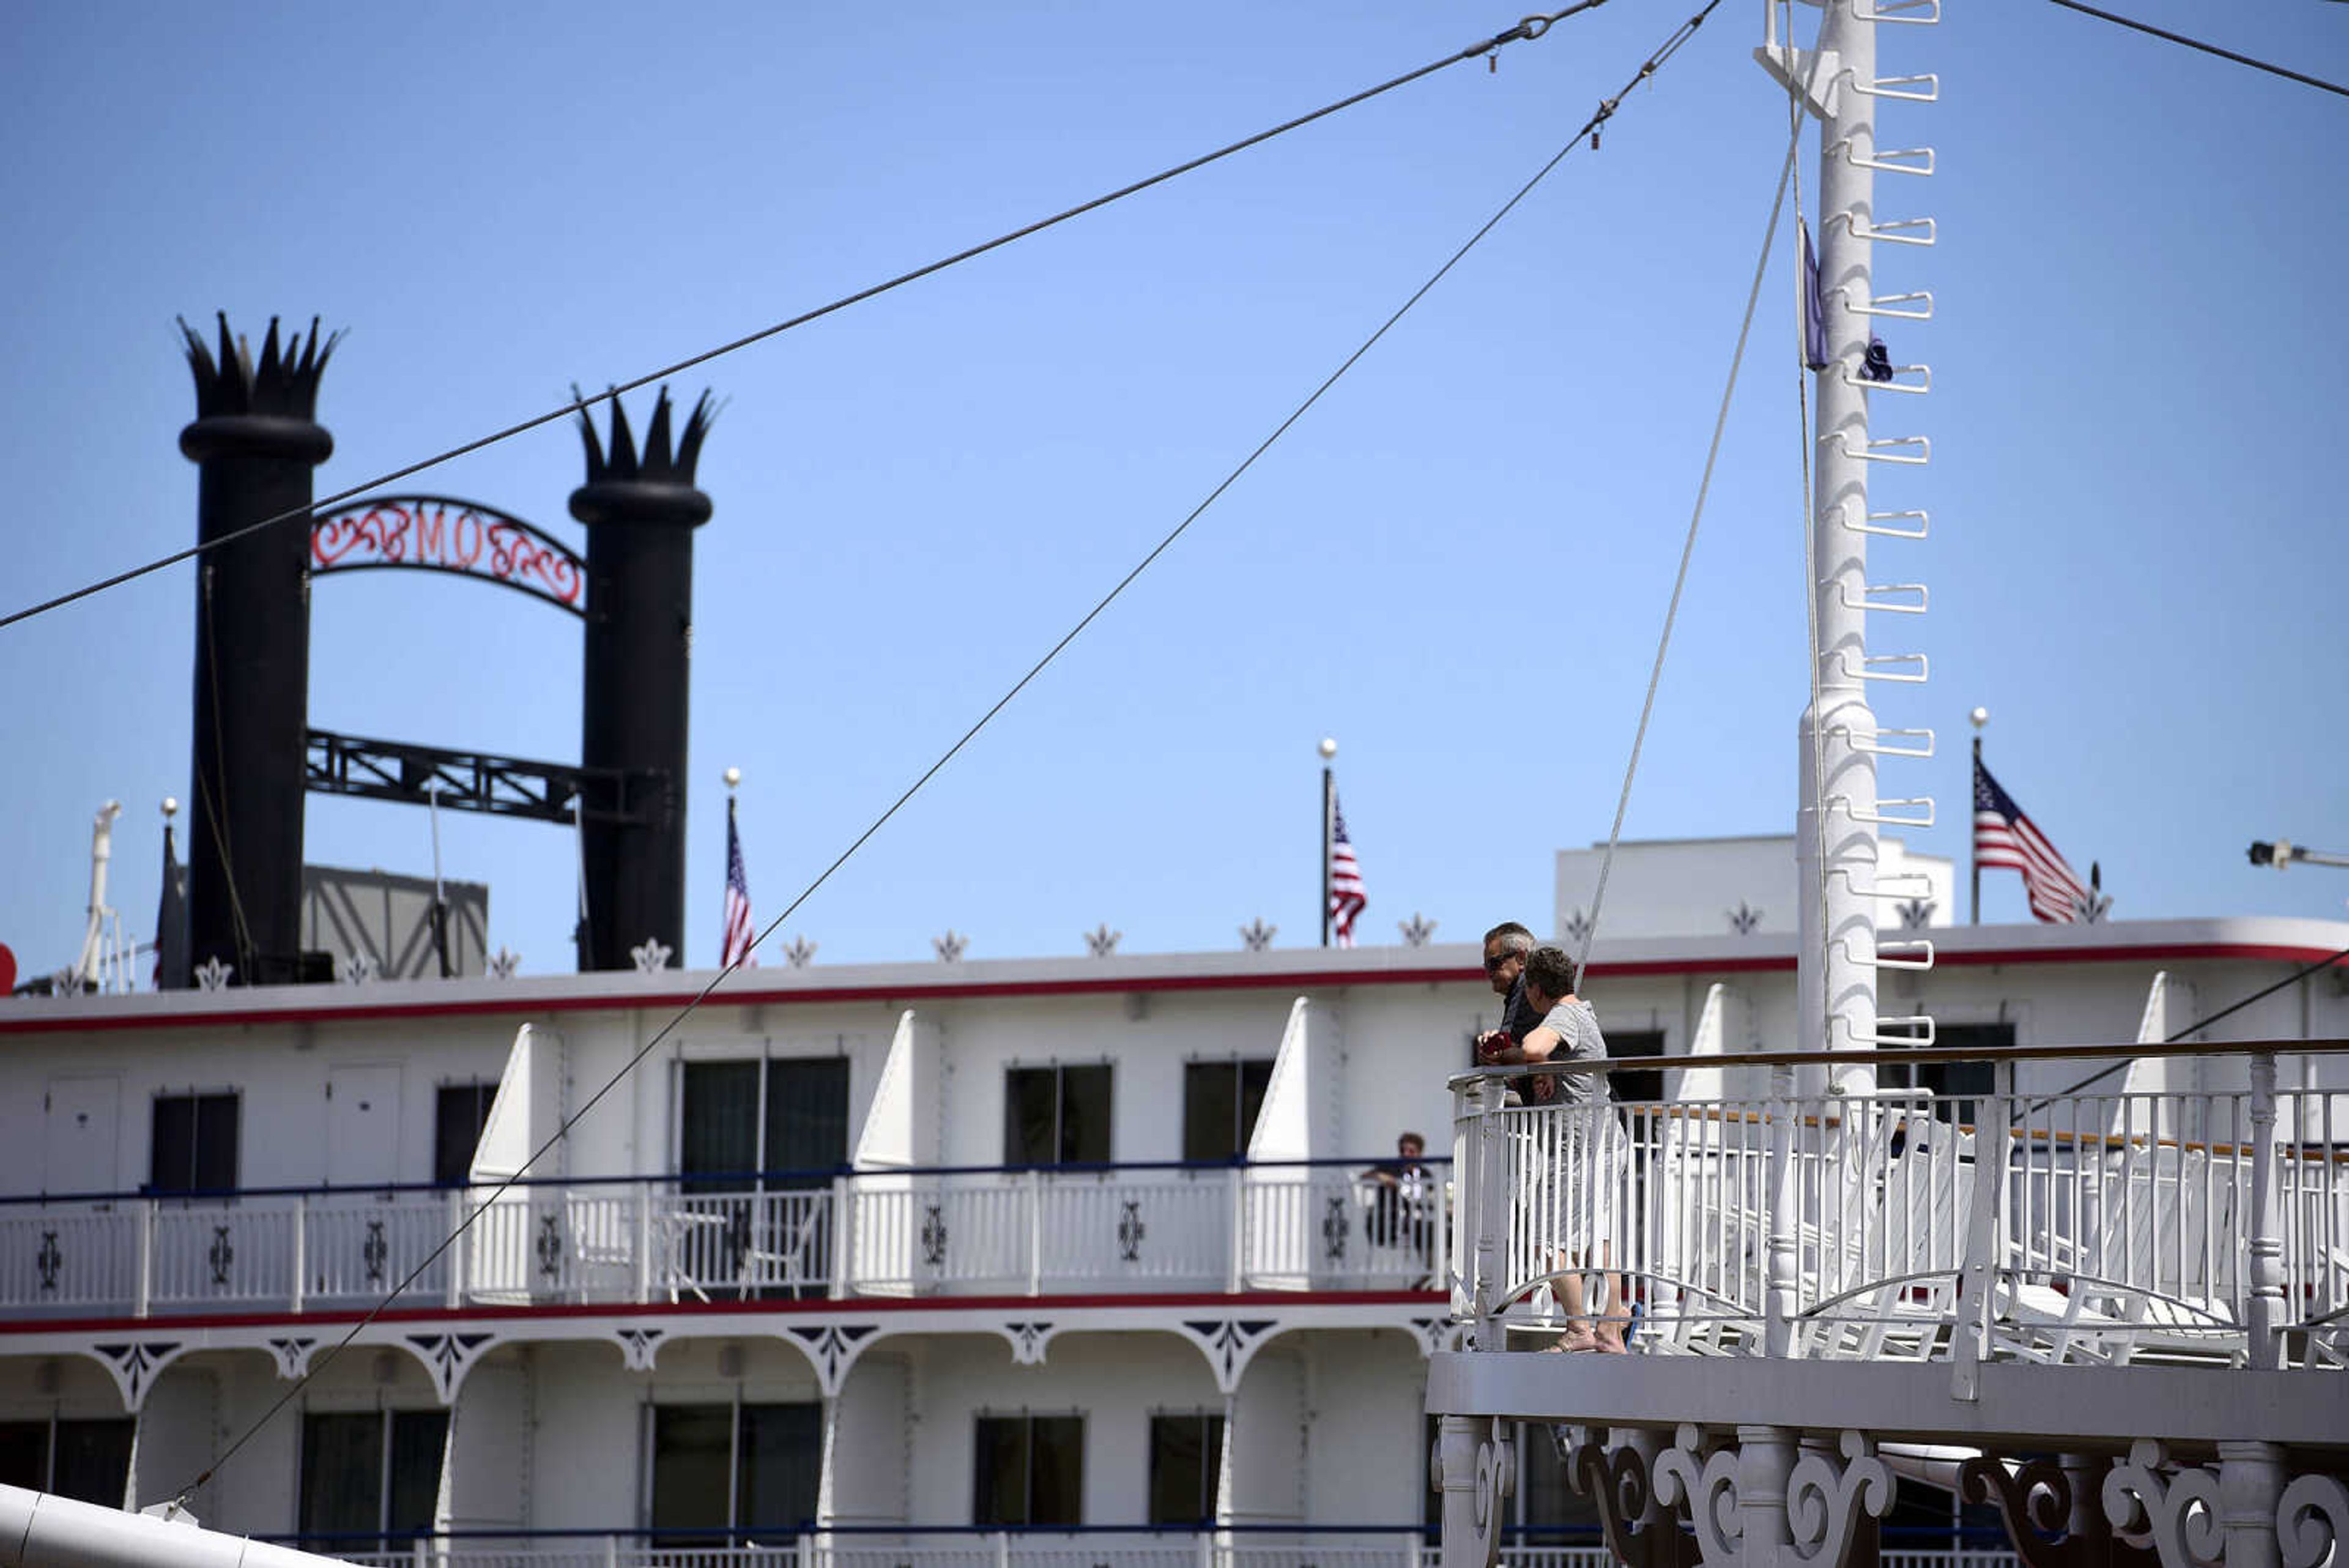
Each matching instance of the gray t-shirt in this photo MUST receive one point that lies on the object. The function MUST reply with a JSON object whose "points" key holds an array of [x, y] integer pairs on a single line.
{"points": [[1580, 1040]]}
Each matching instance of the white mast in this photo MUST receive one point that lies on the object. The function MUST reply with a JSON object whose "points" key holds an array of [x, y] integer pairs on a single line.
{"points": [[1840, 810], [89, 969]]}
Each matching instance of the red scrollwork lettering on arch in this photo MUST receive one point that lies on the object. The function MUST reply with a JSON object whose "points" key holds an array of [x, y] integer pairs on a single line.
{"points": [[430, 533]]}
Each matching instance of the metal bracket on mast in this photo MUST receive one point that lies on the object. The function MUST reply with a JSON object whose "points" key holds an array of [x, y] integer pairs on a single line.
{"points": [[1883, 307], [1894, 953], [1871, 597], [1887, 159], [1892, 885], [1872, 741], [1918, 388]]}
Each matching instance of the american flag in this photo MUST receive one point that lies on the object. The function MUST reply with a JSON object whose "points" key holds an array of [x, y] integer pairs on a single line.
{"points": [[737, 900], [1346, 899], [2003, 837]]}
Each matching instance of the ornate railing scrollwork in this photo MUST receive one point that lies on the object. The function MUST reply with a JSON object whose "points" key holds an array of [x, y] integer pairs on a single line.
{"points": [[1704, 1485], [1638, 1530], [2312, 1521], [1473, 1467], [1824, 1499], [2176, 1516]]}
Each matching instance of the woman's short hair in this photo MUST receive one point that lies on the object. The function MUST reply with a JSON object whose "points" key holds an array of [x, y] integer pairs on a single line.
{"points": [[1551, 971]]}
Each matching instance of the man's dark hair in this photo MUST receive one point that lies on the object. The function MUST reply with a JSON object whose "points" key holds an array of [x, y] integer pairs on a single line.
{"points": [[1551, 971], [1517, 938], [1402, 1139]]}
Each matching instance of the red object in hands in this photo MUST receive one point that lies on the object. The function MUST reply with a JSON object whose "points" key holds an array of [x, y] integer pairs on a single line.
{"points": [[7, 969]]}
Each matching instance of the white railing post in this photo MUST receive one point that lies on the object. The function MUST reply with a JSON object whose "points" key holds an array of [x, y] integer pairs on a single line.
{"points": [[1784, 1204], [1035, 1233], [1491, 1216], [610, 1551], [2265, 1312], [645, 1246], [301, 1218], [1439, 1256], [419, 1553], [1978, 1275], [843, 1231], [146, 1290], [1236, 1189], [456, 1252], [1003, 1537]]}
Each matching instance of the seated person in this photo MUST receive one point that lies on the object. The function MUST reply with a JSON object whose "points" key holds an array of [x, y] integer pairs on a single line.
{"points": [[1399, 1207]]}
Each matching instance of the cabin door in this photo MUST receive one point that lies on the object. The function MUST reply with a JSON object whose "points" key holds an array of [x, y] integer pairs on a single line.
{"points": [[363, 1126], [79, 1129]]}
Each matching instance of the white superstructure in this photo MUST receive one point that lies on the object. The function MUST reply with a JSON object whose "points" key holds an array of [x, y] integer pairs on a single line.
{"points": [[913, 1329]]}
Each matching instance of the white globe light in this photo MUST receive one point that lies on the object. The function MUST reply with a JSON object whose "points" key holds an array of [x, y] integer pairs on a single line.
{"points": [[1328, 747], [1981, 716], [733, 778]]}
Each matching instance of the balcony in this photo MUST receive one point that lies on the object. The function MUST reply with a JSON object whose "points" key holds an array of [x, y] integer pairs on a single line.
{"points": [[1315, 1226], [2088, 1301], [2104, 1227]]}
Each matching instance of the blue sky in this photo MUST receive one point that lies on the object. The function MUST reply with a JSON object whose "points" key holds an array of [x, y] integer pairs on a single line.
{"points": [[1456, 565]]}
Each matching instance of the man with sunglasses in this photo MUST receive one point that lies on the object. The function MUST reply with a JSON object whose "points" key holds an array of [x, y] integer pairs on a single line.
{"points": [[1505, 947]]}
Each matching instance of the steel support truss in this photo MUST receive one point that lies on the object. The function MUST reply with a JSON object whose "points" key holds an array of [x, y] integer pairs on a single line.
{"points": [[469, 781]]}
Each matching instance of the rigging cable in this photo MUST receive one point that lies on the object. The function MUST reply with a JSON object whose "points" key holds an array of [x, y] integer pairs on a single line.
{"points": [[1530, 28], [476, 1209], [1688, 547], [2207, 48]]}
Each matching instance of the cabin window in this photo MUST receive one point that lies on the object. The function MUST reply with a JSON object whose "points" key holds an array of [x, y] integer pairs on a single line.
{"points": [[1639, 1086], [89, 1461], [1187, 1465], [1029, 1469], [776, 1124], [193, 1147], [1056, 1116], [459, 1113], [371, 1474], [1220, 1104], [1955, 1085], [726, 1468]]}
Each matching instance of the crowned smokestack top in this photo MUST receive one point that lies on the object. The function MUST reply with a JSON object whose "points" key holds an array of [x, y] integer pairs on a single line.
{"points": [[284, 382], [654, 485]]}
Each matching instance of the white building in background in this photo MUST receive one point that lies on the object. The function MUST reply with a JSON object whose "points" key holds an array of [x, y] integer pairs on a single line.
{"points": [[1056, 1260], [1691, 887]]}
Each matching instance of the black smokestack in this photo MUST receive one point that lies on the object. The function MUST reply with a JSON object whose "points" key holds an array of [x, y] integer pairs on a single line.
{"points": [[255, 442], [641, 510]]}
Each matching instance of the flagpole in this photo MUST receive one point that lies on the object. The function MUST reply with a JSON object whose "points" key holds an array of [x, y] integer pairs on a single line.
{"points": [[439, 898], [1329, 794], [733, 782], [1979, 717]]}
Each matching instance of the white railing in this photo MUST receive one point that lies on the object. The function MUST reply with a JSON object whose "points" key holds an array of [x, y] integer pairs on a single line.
{"points": [[1037, 1232], [981, 1549], [2065, 1226]]}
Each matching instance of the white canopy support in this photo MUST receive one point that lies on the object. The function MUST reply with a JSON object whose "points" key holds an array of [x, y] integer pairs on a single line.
{"points": [[41, 1530]]}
